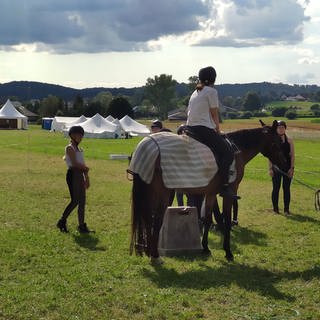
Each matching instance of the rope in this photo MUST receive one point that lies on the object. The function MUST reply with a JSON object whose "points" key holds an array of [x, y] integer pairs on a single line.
{"points": [[316, 191]]}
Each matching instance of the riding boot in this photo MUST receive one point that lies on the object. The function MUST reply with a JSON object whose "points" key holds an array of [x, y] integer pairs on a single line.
{"points": [[82, 228], [62, 225]]}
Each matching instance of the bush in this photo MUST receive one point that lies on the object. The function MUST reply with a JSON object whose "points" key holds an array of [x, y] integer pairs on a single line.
{"points": [[279, 112], [316, 113], [246, 115], [259, 114], [290, 114], [315, 107], [232, 115]]}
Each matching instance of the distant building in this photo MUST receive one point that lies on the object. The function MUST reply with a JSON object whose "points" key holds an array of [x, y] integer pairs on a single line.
{"points": [[32, 117], [298, 97]]}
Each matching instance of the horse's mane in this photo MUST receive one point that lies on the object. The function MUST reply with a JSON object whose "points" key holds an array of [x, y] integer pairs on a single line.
{"points": [[246, 138]]}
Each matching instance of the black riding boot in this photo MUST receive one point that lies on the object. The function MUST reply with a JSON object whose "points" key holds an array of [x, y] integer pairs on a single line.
{"points": [[83, 228], [62, 225]]}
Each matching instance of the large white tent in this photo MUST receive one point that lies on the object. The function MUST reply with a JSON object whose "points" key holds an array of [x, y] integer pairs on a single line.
{"points": [[99, 127], [133, 127], [11, 118]]}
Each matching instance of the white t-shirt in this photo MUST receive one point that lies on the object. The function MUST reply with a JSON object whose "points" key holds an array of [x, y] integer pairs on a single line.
{"points": [[79, 156], [199, 107]]}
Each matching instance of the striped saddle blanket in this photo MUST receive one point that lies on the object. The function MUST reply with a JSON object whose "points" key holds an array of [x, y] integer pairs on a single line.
{"points": [[185, 162]]}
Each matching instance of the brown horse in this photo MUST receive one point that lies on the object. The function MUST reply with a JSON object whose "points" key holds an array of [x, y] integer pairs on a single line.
{"points": [[149, 201]]}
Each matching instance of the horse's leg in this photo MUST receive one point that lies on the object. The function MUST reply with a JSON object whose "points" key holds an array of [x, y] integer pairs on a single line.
{"points": [[235, 212], [217, 215], [160, 206], [209, 202], [227, 206]]}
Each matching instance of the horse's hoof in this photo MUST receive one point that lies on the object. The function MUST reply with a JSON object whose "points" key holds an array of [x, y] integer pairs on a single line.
{"points": [[234, 223], [156, 261], [229, 257], [206, 252]]}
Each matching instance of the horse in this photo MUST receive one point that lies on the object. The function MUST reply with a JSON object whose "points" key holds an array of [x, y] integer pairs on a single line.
{"points": [[149, 201], [233, 137]]}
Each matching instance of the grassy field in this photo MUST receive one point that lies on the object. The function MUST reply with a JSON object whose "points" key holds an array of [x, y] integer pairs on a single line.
{"points": [[45, 274]]}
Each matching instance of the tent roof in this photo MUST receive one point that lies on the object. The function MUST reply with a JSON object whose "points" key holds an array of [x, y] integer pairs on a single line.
{"points": [[110, 118], [98, 124], [130, 125], [8, 111], [81, 119]]}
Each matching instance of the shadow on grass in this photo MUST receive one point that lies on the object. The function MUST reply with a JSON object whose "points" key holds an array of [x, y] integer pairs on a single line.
{"points": [[239, 235], [246, 236], [247, 277], [88, 241], [301, 218]]}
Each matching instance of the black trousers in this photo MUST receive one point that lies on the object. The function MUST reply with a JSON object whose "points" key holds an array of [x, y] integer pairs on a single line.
{"points": [[276, 184], [75, 182], [219, 146]]}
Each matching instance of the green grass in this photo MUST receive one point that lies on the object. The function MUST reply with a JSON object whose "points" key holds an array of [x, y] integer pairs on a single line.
{"points": [[49, 275], [301, 105]]}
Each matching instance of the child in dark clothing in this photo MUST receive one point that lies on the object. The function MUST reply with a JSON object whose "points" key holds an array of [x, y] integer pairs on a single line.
{"points": [[77, 180]]}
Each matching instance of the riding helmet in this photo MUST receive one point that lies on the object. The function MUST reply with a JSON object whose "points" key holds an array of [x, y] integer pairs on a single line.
{"points": [[156, 124], [76, 129], [282, 123], [207, 75]]}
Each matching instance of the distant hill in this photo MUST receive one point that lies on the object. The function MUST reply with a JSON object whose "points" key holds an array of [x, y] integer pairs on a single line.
{"points": [[26, 90]]}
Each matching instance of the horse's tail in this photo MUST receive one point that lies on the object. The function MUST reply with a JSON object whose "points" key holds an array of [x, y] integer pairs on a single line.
{"points": [[140, 219]]}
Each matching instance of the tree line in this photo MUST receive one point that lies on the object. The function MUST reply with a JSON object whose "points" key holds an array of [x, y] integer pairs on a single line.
{"points": [[160, 95]]}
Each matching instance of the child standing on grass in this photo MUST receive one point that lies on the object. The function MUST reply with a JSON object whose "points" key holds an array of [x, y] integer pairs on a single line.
{"points": [[77, 180]]}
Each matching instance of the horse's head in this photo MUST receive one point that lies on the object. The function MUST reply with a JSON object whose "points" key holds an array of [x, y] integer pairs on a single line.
{"points": [[271, 147]]}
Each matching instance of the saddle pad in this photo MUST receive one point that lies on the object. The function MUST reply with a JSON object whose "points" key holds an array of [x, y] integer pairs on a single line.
{"points": [[185, 162]]}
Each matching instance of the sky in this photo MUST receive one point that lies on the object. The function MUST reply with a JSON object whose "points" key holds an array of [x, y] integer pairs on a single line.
{"points": [[122, 43]]}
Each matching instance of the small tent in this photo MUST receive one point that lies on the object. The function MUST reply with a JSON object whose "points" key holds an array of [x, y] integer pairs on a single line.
{"points": [[133, 127], [11, 118]]}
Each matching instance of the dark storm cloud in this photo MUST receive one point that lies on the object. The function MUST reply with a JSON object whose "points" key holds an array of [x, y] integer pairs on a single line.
{"points": [[65, 26], [96, 25]]}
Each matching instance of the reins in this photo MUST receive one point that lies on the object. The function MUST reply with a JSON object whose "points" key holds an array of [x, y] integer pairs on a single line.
{"points": [[316, 191]]}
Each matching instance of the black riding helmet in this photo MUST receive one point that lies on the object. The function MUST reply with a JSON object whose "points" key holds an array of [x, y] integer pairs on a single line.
{"points": [[156, 124], [207, 75], [282, 123], [76, 129]]}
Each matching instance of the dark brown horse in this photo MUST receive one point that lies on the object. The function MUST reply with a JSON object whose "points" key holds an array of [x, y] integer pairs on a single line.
{"points": [[149, 201], [245, 156]]}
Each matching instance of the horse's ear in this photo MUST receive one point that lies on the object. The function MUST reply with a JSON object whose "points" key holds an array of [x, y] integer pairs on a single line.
{"points": [[262, 123], [274, 125]]}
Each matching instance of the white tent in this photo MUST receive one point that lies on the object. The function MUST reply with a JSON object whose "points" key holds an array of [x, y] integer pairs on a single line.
{"points": [[110, 118], [60, 123], [11, 118], [99, 127], [76, 122], [133, 127]]}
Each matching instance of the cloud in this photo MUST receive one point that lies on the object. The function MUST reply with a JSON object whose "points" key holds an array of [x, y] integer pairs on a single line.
{"points": [[296, 78], [67, 26], [96, 25], [250, 23]]}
